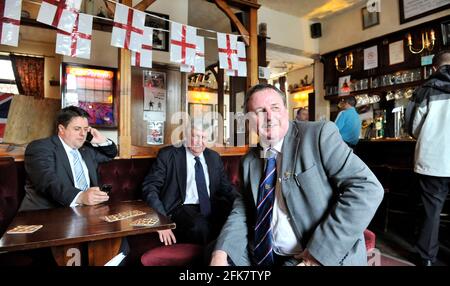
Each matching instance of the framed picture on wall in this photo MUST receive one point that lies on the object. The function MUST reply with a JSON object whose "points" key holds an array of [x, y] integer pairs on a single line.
{"points": [[160, 38], [414, 9], [445, 27], [369, 19]]}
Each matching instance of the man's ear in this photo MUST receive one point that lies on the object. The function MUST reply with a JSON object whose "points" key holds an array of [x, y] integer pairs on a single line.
{"points": [[60, 128]]}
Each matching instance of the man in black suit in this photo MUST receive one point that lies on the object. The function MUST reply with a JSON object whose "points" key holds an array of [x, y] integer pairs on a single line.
{"points": [[62, 169], [189, 185]]}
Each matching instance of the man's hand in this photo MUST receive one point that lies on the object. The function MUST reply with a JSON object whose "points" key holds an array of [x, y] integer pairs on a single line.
{"points": [[307, 259], [167, 237], [92, 196], [219, 258], [97, 137]]}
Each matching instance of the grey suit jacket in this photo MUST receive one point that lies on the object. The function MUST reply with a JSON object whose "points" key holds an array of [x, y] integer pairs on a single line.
{"points": [[50, 182], [331, 196]]}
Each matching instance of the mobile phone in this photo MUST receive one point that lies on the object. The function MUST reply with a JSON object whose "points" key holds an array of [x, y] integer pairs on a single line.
{"points": [[89, 137], [106, 188]]}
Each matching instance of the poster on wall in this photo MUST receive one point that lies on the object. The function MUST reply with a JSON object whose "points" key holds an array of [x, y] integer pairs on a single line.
{"points": [[344, 85], [396, 53], [155, 91], [414, 9], [371, 58], [155, 133]]}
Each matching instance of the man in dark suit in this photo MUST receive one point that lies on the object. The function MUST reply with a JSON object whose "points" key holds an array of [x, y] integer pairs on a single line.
{"points": [[189, 185], [62, 169]]}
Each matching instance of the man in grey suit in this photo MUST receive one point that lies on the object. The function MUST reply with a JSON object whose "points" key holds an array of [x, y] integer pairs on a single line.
{"points": [[62, 169], [305, 198]]}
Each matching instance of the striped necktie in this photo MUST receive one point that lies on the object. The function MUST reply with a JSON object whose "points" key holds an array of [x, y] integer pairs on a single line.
{"points": [[80, 179], [263, 231]]}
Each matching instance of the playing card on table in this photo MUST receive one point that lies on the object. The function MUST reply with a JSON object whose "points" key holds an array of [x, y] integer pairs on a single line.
{"points": [[123, 215], [24, 229], [144, 222]]}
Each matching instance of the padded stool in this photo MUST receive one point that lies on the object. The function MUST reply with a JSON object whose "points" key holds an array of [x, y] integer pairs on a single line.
{"points": [[179, 254]]}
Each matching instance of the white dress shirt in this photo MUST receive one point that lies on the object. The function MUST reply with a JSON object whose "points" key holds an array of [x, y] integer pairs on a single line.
{"points": [[83, 164], [284, 241], [191, 186]]}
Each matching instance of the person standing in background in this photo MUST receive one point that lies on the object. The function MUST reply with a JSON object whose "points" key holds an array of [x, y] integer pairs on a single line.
{"points": [[428, 120], [348, 121]]}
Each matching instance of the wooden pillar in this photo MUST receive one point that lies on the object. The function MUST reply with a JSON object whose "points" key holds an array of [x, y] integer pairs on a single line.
{"points": [[125, 99], [252, 51]]}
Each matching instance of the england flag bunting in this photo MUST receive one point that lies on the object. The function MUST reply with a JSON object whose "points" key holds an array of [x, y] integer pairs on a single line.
{"points": [[78, 43], [10, 22], [60, 14], [143, 58], [227, 46], [128, 28], [199, 66], [242, 62], [182, 44]]}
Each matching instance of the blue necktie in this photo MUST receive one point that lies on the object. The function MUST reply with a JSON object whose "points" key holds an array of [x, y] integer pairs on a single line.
{"points": [[80, 179], [203, 198], [263, 232]]}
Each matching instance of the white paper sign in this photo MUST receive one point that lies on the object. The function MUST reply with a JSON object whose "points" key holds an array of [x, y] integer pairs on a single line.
{"points": [[396, 54], [371, 58]]}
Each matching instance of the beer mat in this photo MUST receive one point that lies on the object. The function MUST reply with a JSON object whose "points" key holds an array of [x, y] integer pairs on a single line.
{"points": [[123, 215], [144, 222], [24, 229]]}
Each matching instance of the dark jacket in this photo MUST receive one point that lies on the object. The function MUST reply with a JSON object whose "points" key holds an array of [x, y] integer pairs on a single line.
{"points": [[50, 180], [164, 188]]}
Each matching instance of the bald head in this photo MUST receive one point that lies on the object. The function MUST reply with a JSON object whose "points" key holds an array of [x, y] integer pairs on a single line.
{"points": [[441, 59]]}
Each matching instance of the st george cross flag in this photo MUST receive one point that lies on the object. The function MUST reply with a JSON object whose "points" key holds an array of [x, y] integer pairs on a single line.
{"points": [[78, 43], [182, 44], [242, 64], [5, 102], [143, 58], [227, 45], [60, 14], [199, 66], [128, 28], [10, 22]]}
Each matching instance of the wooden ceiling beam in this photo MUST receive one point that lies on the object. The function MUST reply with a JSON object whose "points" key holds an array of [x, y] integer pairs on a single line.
{"points": [[141, 6], [222, 4]]}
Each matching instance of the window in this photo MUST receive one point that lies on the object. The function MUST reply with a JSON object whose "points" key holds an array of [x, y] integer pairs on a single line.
{"points": [[7, 79]]}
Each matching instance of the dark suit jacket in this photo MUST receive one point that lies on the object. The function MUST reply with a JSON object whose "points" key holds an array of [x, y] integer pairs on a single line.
{"points": [[164, 188], [50, 181]]}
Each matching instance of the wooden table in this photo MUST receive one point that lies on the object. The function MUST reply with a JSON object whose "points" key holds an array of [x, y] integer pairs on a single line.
{"points": [[80, 231]]}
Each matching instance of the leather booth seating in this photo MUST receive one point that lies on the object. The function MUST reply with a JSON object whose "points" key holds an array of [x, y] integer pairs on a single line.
{"points": [[126, 177]]}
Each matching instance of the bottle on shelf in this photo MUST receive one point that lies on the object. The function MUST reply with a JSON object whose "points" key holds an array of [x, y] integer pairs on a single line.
{"points": [[380, 122]]}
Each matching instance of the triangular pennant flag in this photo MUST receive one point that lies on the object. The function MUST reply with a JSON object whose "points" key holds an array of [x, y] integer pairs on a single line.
{"points": [[227, 46], [242, 62], [60, 14], [199, 66], [182, 44], [128, 28], [10, 22], [143, 58], [78, 43]]}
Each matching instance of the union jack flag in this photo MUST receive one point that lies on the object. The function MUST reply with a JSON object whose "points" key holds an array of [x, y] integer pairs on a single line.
{"points": [[5, 102]]}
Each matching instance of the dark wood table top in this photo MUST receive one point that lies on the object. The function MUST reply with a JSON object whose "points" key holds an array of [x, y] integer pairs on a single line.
{"points": [[62, 226]]}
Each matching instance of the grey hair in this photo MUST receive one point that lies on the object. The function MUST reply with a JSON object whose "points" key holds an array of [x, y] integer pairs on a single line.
{"points": [[261, 86]]}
